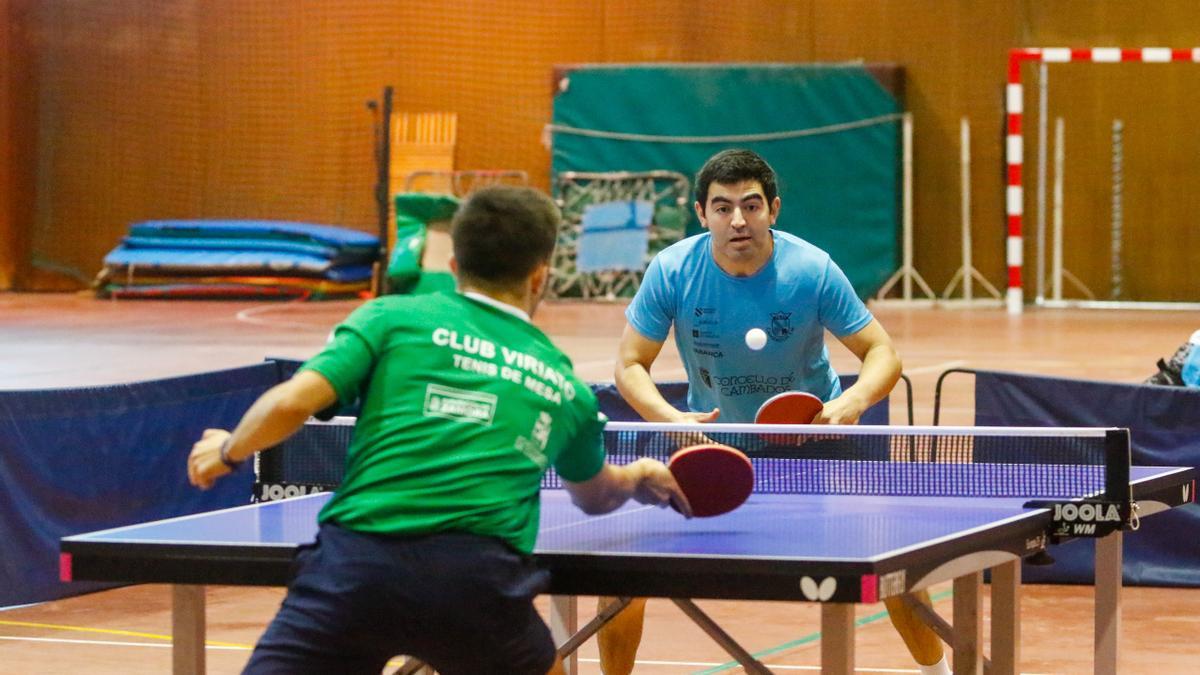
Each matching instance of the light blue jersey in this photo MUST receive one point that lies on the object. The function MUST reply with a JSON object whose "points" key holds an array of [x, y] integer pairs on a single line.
{"points": [[794, 298]]}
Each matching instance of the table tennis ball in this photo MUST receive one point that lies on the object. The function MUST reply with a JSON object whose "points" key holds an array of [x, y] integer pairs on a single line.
{"points": [[756, 339]]}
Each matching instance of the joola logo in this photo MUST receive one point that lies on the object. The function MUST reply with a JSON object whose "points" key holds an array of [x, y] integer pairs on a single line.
{"points": [[270, 492], [1087, 513]]}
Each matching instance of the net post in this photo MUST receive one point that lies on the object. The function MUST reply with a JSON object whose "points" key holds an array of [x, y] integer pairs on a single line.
{"points": [[1117, 460]]}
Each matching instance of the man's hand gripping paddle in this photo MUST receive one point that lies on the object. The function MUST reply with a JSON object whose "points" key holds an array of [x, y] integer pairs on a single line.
{"points": [[715, 478], [789, 407]]}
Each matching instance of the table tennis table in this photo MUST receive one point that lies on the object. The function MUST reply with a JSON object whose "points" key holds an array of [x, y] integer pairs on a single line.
{"points": [[842, 550]]}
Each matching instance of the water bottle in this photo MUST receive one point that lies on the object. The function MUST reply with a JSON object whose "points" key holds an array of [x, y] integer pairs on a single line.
{"points": [[1191, 362]]}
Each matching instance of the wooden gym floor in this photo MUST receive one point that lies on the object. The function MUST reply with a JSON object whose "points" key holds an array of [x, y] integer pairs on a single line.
{"points": [[54, 341]]}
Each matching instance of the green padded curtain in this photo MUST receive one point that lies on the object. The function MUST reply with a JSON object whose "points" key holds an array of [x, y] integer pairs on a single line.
{"points": [[414, 212], [830, 131]]}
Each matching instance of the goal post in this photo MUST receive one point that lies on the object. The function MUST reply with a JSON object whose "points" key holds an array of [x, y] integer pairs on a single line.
{"points": [[1014, 143]]}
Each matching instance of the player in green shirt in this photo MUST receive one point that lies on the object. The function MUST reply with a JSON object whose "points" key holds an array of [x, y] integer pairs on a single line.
{"points": [[425, 547]]}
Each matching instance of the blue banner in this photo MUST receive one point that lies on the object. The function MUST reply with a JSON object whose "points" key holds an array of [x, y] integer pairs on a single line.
{"points": [[77, 460], [1164, 426]]}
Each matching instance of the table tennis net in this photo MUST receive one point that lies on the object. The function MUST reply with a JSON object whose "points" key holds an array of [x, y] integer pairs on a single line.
{"points": [[854, 460]]}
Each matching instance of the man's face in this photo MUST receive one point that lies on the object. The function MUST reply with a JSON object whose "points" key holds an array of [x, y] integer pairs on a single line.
{"points": [[740, 220]]}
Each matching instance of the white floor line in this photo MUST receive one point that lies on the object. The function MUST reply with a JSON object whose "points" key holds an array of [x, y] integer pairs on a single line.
{"points": [[116, 643], [250, 316], [644, 662]]}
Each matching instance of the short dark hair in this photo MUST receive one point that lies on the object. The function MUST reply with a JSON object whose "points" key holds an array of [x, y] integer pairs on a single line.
{"points": [[734, 166], [501, 233]]}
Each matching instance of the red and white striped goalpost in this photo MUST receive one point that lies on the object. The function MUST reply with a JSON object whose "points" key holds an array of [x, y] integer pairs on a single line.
{"points": [[1014, 146]]}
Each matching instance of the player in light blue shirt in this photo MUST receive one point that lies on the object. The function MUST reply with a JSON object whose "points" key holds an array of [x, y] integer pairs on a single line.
{"points": [[793, 298], [741, 274], [714, 289]]}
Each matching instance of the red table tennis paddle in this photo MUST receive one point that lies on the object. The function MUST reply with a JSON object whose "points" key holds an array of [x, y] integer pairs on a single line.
{"points": [[789, 407], [715, 478]]}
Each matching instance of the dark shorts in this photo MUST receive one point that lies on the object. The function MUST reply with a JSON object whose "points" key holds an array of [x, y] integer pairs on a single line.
{"points": [[460, 602]]}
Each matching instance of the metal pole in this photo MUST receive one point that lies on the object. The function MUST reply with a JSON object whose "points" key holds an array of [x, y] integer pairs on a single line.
{"points": [[383, 161], [1043, 98], [907, 225], [1056, 273], [965, 178], [967, 273], [1118, 215], [906, 271]]}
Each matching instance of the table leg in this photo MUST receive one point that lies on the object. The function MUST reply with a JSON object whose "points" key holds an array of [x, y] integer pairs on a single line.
{"points": [[1006, 618], [752, 665], [837, 638], [1108, 602], [564, 622], [968, 624], [187, 629]]}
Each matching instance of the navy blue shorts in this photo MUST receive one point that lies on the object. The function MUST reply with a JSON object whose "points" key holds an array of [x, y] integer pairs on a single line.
{"points": [[462, 603]]}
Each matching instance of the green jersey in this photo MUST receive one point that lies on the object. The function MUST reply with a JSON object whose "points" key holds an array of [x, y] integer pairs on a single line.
{"points": [[464, 406]]}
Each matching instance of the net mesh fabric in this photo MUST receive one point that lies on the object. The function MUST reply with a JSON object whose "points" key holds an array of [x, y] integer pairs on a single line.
{"points": [[901, 461]]}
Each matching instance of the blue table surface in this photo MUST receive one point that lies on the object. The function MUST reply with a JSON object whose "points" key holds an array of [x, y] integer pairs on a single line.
{"points": [[818, 527]]}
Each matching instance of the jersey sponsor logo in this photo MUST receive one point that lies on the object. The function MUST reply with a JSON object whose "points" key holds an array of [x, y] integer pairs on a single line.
{"points": [[707, 334], [458, 404], [534, 446], [706, 377], [738, 385], [715, 353], [781, 326], [705, 316]]}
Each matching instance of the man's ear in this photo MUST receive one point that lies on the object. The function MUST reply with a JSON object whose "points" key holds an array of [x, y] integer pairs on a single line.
{"points": [[775, 204], [539, 279], [700, 214], [453, 265]]}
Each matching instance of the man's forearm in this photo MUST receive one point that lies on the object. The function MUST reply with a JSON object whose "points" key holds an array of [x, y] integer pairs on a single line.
{"points": [[641, 393], [878, 376], [648, 481], [276, 415]]}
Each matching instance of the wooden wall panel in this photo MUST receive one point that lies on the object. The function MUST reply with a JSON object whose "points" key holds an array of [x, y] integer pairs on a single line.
{"points": [[1160, 147], [17, 155], [954, 56], [10, 248], [255, 109], [118, 118]]}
